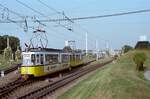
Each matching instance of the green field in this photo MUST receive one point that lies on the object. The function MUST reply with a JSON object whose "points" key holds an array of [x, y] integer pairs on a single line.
{"points": [[117, 80]]}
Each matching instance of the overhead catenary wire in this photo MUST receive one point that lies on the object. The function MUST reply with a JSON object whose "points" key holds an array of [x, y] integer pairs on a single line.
{"points": [[94, 17], [11, 11], [25, 5], [85, 30], [35, 11], [51, 8], [30, 8], [55, 10], [112, 15], [83, 18], [19, 15], [10, 20]]}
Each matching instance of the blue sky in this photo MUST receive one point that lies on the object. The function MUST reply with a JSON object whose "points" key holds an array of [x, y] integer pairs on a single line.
{"points": [[116, 31]]}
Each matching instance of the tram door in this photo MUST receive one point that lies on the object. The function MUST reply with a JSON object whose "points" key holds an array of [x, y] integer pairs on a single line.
{"points": [[26, 61]]}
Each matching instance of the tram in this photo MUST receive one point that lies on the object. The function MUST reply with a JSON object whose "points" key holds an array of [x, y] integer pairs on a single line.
{"points": [[43, 61]]}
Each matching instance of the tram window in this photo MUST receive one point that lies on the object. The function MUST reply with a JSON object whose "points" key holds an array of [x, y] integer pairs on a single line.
{"points": [[81, 57], [41, 58], [65, 58], [54, 58], [51, 59], [26, 62], [38, 58], [71, 57], [33, 58], [77, 57], [47, 58], [74, 57]]}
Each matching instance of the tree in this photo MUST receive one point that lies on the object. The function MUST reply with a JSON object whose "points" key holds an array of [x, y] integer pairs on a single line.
{"points": [[126, 48], [18, 55], [139, 59], [14, 42], [8, 53]]}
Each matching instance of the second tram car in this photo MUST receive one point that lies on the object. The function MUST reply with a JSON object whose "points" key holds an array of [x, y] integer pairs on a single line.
{"points": [[42, 61]]}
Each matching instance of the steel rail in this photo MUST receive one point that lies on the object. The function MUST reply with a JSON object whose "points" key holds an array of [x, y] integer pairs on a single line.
{"points": [[63, 81]]}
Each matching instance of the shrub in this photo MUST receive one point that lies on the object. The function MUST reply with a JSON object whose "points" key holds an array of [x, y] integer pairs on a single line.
{"points": [[139, 59], [126, 48]]}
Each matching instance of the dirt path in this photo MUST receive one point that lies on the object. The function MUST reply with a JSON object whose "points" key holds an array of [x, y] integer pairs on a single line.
{"points": [[147, 75]]}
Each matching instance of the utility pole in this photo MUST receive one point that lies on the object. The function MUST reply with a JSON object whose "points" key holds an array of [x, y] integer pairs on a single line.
{"points": [[107, 47], [7, 42], [96, 50], [86, 41]]}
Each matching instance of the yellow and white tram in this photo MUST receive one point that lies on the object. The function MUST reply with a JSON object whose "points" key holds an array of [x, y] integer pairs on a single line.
{"points": [[42, 61]]}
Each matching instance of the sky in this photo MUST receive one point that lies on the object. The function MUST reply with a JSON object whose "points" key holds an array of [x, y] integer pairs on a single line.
{"points": [[113, 31]]}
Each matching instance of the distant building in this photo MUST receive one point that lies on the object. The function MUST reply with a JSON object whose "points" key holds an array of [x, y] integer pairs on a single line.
{"points": [[71, 44], [115, 52]]}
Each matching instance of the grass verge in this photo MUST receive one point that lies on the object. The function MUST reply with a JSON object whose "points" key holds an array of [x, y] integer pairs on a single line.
{"points": [[117, 80]]}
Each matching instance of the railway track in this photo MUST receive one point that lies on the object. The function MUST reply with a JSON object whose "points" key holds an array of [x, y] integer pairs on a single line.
{"points": [[10, 69], [61, 82], [6, 90], [10, 87]]}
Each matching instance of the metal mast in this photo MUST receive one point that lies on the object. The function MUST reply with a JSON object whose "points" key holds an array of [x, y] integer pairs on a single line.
{"points": [[86, 45]]}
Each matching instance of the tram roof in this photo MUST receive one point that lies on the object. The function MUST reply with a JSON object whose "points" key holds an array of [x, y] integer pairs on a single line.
{"points": [[44, 50], [49, 50]]}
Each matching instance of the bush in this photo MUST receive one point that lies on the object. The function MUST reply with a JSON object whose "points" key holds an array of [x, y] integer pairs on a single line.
{"points": [[139, 59], [126, 48]]}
